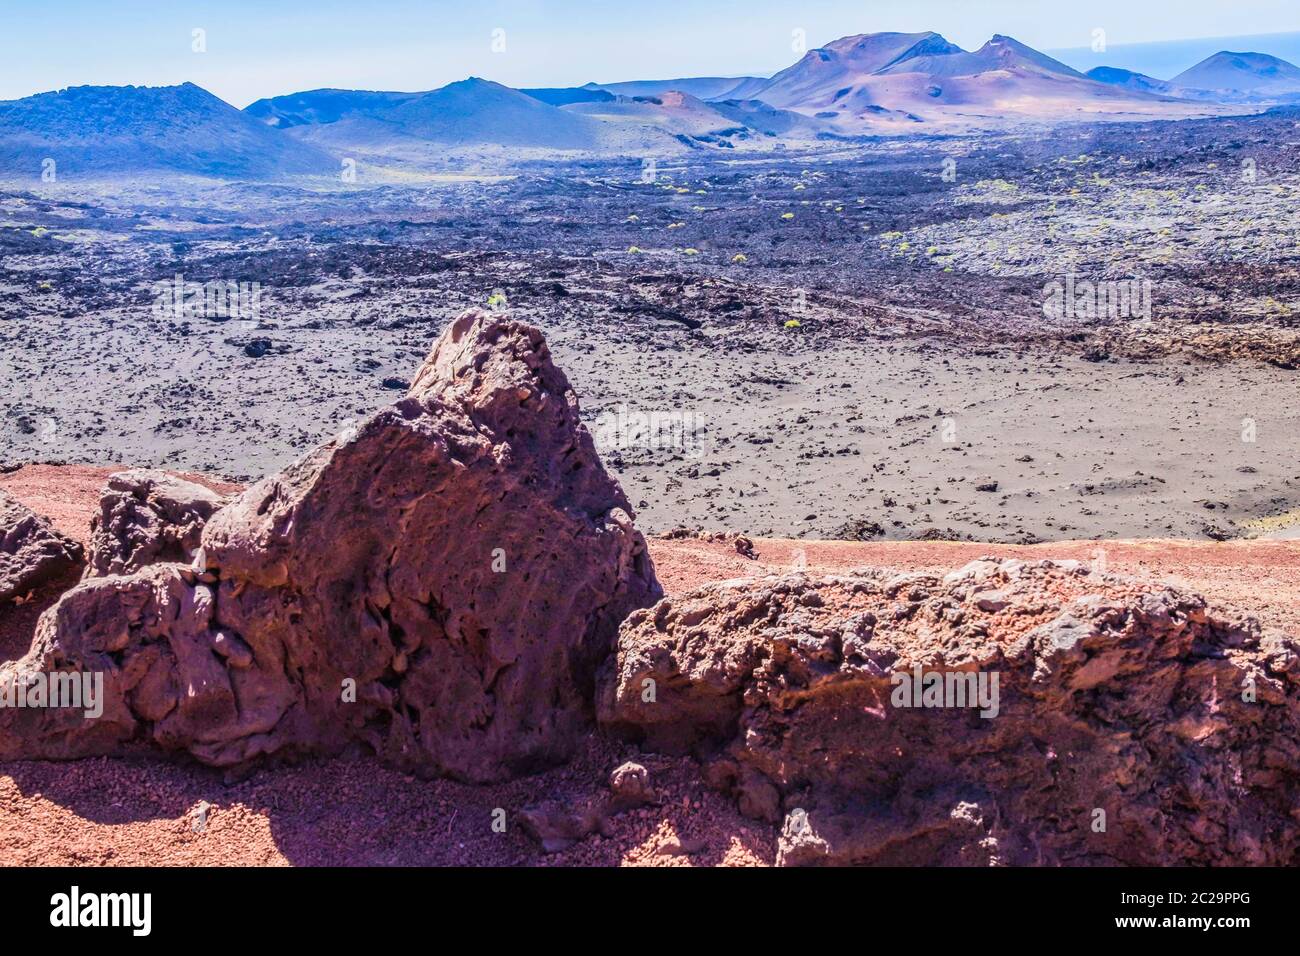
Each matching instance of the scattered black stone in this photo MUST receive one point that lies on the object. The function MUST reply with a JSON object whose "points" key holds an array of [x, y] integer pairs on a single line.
{"points": [[860, 530]]}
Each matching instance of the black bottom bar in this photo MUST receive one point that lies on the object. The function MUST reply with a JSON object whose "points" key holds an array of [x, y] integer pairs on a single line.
{"points": [[336, 905]]}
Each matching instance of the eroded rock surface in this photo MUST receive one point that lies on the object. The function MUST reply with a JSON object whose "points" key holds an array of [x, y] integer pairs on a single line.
{"points": [[1129, 724], [439, 585], [147, 517], [32, 553]]}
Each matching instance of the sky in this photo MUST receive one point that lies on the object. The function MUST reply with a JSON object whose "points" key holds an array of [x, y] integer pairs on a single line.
{"points": [[249, 49]]}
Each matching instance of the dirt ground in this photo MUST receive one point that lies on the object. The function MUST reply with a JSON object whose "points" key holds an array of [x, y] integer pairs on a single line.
{"points": [[146, 810]]}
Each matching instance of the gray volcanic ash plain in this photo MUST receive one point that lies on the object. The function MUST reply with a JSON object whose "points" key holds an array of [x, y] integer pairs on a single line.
{"points": [[845, 342]]}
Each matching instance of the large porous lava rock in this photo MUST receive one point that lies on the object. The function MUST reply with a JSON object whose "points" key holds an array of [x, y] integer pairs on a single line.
{"points": [[32, 553], [148, 517], [438, 585], [1008, 713]]}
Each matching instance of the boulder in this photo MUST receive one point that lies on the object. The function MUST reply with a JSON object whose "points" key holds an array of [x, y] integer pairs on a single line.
{"points": [[147, 640], [1007, 713], [147, 517], [32, 553], [439, 586]]}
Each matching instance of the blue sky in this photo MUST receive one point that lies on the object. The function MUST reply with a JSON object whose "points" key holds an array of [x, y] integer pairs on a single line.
{"points": [[266, 48]]}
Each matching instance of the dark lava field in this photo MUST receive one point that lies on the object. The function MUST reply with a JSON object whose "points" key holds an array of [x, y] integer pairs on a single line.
{"points": [[848, 342]]}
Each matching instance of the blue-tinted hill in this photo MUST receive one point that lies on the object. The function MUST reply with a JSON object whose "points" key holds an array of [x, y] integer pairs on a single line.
{"points": [[323, 106], [568, 95], [99, 130]]}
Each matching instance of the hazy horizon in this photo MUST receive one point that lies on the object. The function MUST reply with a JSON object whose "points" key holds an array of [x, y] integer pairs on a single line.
{"points": [[249, 52], [1166, 59]]}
